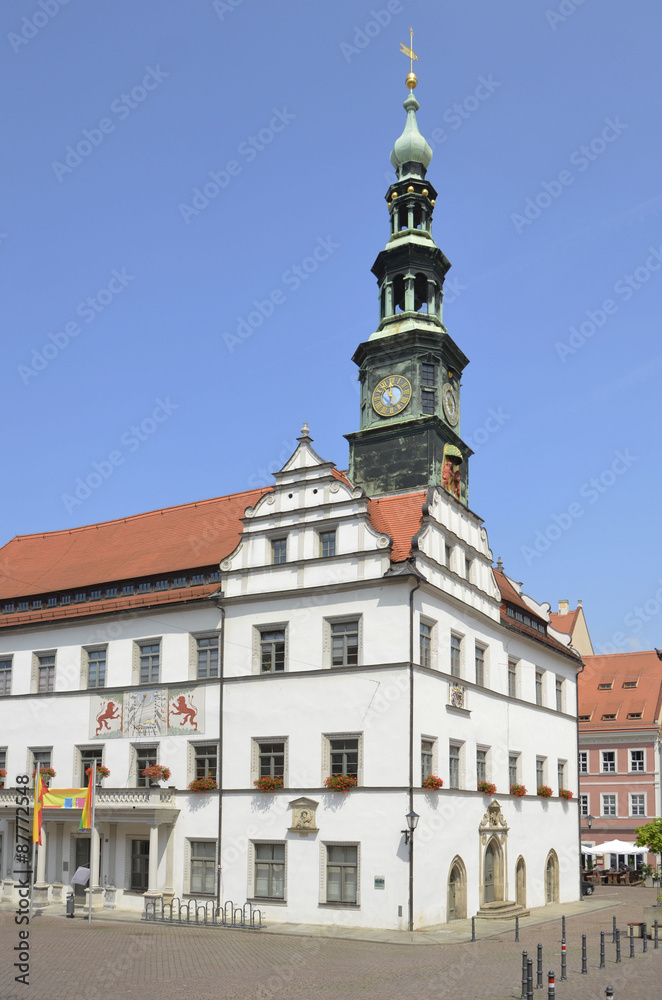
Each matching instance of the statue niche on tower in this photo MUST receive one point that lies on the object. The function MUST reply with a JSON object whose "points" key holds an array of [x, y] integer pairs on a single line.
{"points": [[451, 477]]}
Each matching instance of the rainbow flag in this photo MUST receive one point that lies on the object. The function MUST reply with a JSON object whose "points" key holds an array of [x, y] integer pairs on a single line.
{"points": [[86, 815], [39, 791], [63, 798]]}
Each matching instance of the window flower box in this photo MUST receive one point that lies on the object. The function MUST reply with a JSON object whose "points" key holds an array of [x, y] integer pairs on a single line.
{"points": [[203, 785], [340, 782], [102, 772], [156, 772], [432, 783], [3, 775], [487, 787], [46, 773], [518, 790], [269, 783], [565, 793], [544, 791]]}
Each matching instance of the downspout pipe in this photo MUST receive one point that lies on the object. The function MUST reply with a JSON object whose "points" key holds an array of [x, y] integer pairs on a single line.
{"points": [[411, 749], [219, 766]]}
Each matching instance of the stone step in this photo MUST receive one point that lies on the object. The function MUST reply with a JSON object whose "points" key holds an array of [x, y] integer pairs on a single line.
{"points": [[501, 909]]}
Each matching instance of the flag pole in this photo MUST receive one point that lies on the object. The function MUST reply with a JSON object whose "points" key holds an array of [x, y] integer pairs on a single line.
{"points": [[93, 778]]}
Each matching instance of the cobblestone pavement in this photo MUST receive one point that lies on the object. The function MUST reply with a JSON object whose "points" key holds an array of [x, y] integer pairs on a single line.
{"points": [[128, 960]]}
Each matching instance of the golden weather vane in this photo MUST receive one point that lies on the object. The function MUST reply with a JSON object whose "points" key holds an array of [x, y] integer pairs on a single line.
{"points": [[408, 50]]}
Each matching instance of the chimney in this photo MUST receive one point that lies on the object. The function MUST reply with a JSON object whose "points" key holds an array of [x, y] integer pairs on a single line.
{"points": [[564, 607]]}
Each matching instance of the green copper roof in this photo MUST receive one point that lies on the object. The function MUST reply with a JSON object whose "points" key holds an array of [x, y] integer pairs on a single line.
{"points": [[411, 146]]}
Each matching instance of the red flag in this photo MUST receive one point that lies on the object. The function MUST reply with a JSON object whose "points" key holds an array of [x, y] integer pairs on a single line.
{"points": [[39, 789]]}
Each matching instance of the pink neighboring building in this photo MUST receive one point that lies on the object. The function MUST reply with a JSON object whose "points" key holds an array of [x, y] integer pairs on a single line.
{"points": [[620, 701]]}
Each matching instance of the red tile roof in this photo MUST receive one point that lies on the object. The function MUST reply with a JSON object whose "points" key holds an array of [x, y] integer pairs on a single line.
{"points": [[642, 668], [399, 517], [510, 596], [563, 623]]}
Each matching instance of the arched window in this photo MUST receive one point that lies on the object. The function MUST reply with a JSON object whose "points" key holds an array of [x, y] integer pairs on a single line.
{"points": [[457, 890], [552, 878]]}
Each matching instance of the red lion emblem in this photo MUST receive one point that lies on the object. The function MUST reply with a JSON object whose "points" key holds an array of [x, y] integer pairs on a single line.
{"points": [[179, 707], [111, 712]]}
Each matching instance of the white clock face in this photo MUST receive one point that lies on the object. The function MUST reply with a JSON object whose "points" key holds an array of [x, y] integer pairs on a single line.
{"points": [[449, 400]]}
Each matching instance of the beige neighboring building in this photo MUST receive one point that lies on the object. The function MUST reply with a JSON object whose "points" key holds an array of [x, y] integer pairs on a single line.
{"points": [[572, 623]]}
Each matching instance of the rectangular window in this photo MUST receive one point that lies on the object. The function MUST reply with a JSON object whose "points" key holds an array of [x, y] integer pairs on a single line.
{"points": [[468, 563], [270, 871], [344, 755], [560, 773], [427, 402], [428, 375], [341, 874], [150, 654], [5, 676], [637, 760], [448, 555], [425, 641], [454, 765], [46, 672], [608, 761], [206, 757], [456, 656], [345, 643], [480, 666], [96, 667], [608, 805], [327, 544], [540, 770], [559, 694], [538, 687], [583, 805], [481, 765], [279, 551], [583, 761], [41, 758], [638, 805], [87, 757], [272, 651], [207, 652], [203, 867], [513, 759], [145, 757], [271, 756], [512, 678], [427, 759]]}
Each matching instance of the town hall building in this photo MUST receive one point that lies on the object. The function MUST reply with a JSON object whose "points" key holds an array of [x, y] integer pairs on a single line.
{"points": [[356, 716]]}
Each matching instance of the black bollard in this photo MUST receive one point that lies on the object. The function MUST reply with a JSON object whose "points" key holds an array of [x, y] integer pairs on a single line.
{"points": [[655, 942], [613, 930], [524, 958], [631, 941], [517, 928], [473, 928], [618, 945], [563, 962], [529, 979], [602, 949], [551, 988], [644, 931], [584, 968], [539, 969], [563, 928], [609, 993]]}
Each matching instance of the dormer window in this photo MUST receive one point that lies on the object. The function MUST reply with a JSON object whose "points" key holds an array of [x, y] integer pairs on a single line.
{"points": [[278, 551], [630, 684], [608, 718], [606, 687]]}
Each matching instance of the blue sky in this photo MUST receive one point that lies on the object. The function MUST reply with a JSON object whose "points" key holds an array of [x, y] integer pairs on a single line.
{"points": [[123, 290]]}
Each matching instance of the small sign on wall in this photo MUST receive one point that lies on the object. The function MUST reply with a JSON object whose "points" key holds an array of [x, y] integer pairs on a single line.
{"points": [[380, 882]]}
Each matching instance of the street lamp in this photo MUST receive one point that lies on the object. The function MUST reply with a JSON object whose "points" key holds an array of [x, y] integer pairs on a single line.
{"points": [[589, 821], [412, 822]]}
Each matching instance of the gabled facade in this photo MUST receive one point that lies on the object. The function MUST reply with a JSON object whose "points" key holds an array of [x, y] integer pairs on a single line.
{"points": [[335, 653], [572, 622]]}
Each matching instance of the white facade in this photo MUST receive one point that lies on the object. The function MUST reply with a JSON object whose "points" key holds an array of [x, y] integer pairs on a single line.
{"points": [[335, 856]]}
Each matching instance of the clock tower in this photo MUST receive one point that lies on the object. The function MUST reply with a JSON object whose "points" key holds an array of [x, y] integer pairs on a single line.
{"points": [[410, 369]]}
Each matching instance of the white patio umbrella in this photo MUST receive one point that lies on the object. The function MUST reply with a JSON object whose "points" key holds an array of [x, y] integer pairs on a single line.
{"points": [[618, 847], [587, 850]]}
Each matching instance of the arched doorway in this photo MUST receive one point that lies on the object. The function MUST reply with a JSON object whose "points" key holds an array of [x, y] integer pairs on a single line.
{"points": [[457, 890], [493, 872], [552, 878], [520, 882]]}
